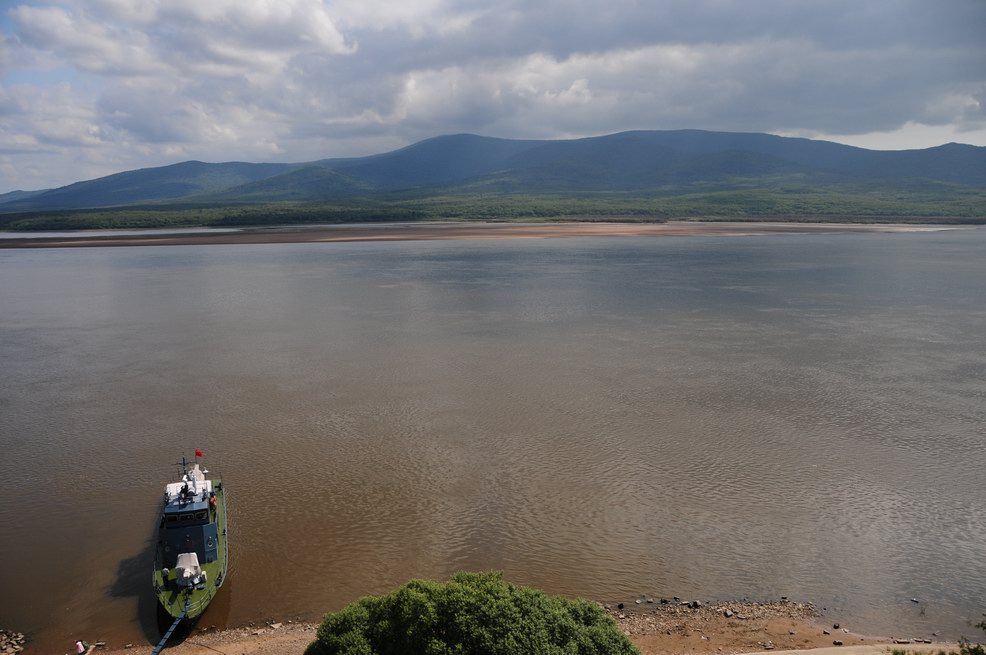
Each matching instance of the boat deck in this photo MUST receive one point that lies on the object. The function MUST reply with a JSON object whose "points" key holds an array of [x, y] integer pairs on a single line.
{"points": [[171, 597]]}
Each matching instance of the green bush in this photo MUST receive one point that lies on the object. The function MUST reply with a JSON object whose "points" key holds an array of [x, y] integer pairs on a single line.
{"points": [[471, 614], [966, 647]]}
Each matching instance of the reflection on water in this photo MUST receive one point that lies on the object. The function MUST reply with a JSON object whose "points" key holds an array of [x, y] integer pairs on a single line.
{"points": [[703, 417]]}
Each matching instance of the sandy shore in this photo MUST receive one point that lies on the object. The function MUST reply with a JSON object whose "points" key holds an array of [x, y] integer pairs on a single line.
{"points": [[447, 231], [655, 628]]}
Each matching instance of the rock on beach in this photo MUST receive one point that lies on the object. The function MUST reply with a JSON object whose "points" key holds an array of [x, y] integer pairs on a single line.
{"points": [[11, 642]]}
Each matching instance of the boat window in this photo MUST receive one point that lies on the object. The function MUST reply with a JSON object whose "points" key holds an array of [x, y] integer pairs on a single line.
{"points": [[172, 518], [200, 516], [186, 517]]}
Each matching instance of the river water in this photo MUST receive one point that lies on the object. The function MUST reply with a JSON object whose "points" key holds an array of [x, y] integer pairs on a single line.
{"points": [[707, 417]]}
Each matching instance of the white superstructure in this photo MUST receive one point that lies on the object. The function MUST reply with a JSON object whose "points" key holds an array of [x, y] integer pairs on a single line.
{"points": [[194, 483]]}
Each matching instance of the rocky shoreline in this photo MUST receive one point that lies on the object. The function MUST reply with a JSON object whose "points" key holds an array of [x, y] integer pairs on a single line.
{"points": [[11, 642], [724, 628], [656, 626]]}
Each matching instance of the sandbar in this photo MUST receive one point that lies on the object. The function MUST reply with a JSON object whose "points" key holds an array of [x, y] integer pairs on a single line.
{"points": [[460, 231]]}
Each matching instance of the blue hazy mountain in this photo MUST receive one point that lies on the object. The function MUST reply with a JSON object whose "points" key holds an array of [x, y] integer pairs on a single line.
{"points": [[640, 162]]}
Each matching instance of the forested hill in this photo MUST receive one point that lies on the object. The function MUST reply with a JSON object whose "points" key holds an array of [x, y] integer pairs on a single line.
{"points": [[641, 164]]}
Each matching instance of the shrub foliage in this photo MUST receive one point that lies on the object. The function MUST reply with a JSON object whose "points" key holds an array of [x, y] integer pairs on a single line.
{"points": [[471, 614], [967, 647]]}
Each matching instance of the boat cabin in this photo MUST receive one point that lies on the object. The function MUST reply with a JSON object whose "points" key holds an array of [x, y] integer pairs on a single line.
{"points": [[188, 523]]}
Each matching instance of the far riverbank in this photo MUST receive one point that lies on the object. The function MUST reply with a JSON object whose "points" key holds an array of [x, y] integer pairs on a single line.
{"points": [[457, 231]]}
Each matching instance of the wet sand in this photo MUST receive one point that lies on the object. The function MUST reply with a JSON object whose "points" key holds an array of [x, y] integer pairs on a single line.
{"points": [[470, 230], [655, 629]]}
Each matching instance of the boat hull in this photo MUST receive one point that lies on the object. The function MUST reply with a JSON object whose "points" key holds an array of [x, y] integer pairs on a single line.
{"points": [[173, 598]]}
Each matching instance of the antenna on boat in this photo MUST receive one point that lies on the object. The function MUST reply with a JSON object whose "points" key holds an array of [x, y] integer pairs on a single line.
{"points": [[183, 464]]}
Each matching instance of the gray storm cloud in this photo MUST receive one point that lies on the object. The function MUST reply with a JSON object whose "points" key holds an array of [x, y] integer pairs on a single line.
{"points": [[91, 87]]}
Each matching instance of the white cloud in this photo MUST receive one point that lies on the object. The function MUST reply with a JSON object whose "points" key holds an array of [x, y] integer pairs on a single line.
{"points": [[908, 136], [762, 85], [953, 107], [89, 45], [286, 26], [45, 119], [419, 18], [180, 38]]}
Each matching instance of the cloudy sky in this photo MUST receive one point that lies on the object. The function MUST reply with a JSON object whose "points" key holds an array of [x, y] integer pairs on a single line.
{"points": [[92, 87]]}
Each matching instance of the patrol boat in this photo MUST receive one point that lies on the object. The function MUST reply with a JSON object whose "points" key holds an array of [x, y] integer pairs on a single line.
{"points": [[192, 554]]}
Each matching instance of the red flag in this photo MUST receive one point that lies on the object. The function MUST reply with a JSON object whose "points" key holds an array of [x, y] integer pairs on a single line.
{"points": [[199, 453]]}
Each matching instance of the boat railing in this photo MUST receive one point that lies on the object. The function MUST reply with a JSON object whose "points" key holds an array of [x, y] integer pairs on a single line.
{"points": [[202, 601], [225, 535]]}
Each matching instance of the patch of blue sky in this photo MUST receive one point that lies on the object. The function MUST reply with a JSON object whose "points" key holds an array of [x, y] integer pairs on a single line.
{"points": [[39, 77], [7, 23]]}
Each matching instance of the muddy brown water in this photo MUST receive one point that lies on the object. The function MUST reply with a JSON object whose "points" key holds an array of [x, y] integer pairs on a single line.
{"points": [[708, 417]]}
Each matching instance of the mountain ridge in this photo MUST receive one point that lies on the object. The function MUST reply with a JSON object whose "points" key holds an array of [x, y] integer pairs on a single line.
{"points": [[647, 162]]}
